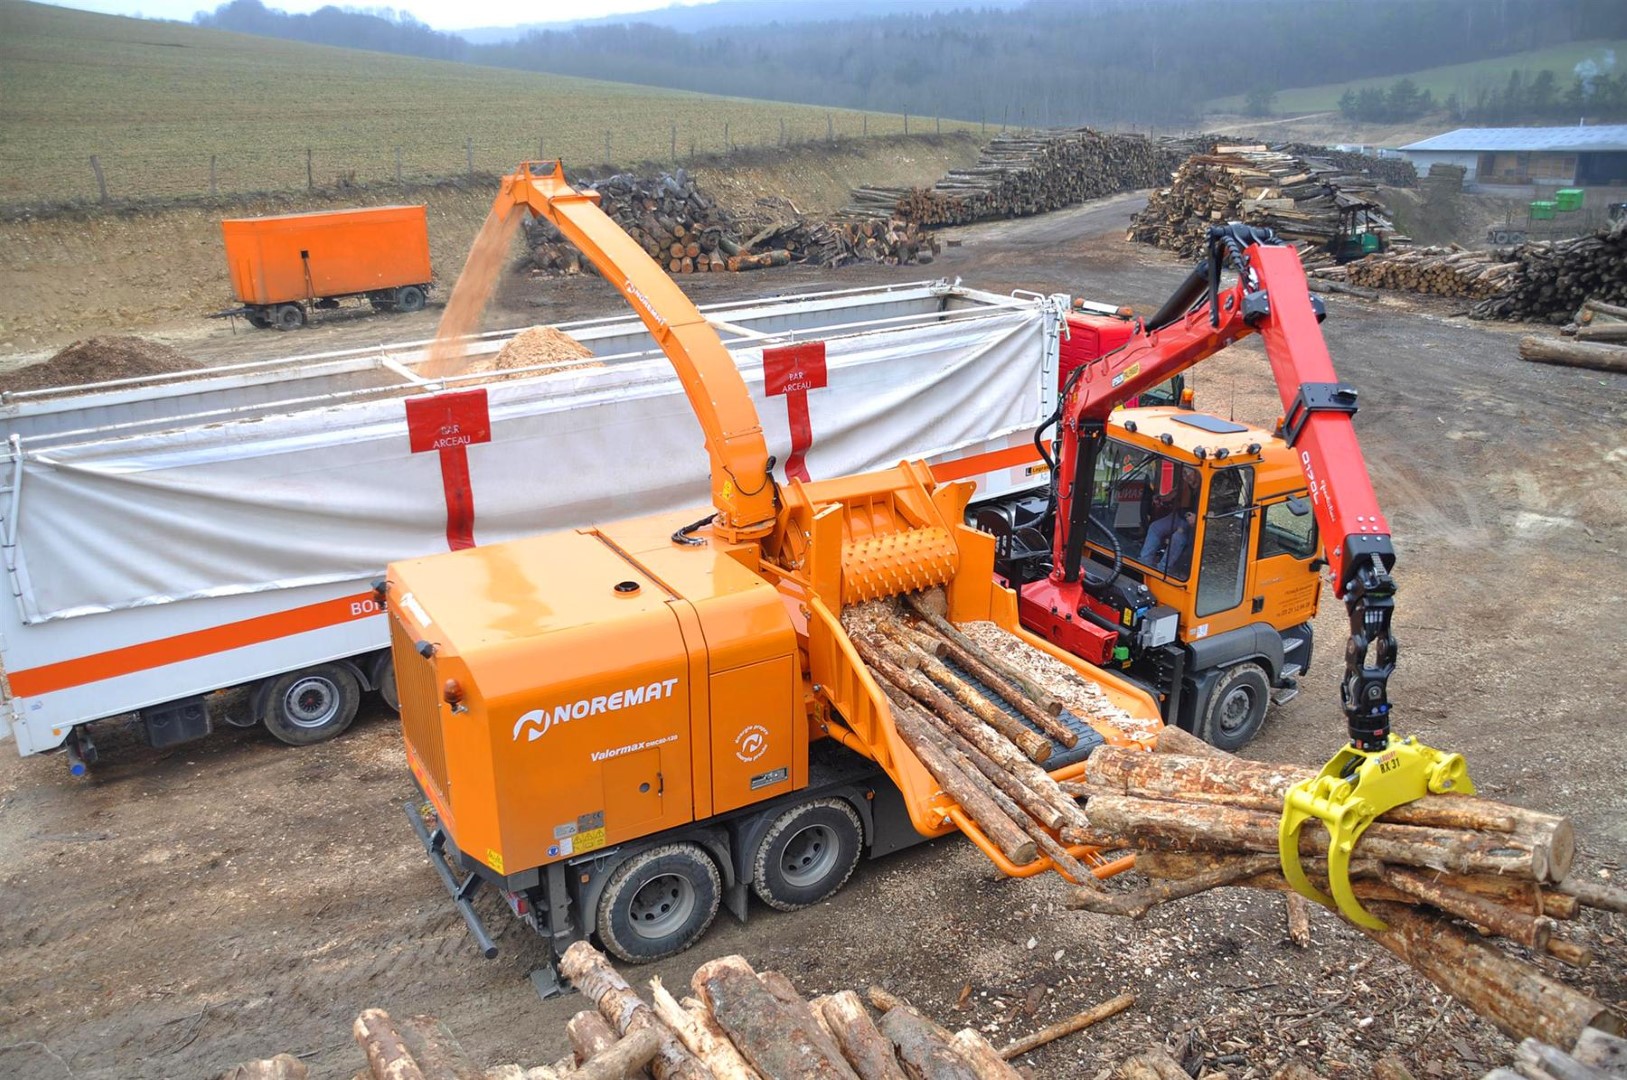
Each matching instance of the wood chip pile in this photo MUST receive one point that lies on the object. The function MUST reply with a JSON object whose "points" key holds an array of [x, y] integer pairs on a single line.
{"points": [[687, 231], [1445, 873], [1300, 198], [1023, 174], [1554, 277], [538, 350], [1437, 271]]}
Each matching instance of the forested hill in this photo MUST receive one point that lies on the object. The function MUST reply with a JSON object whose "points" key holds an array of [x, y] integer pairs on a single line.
{"points": [[1048, 62]]}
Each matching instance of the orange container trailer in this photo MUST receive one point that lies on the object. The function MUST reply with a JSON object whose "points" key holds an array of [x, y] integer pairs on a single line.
{"points": [[284, 265]]}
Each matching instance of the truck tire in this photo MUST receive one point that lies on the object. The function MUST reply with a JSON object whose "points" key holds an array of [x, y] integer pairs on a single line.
{"points": [[384, 682], [258, 319], [659, 902], [409, 298], [311, 705], [807, 854], [288, 316], [1232, 713]]}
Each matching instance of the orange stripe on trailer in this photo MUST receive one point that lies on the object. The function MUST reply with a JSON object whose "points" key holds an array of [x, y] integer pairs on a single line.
{"points": [[978, 464], [130, 659]]}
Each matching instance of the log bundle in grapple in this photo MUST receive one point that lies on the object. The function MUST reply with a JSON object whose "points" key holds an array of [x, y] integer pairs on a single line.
{"points": [[1443, 873], [1299, 198], [687, 231], [1030, 173]]}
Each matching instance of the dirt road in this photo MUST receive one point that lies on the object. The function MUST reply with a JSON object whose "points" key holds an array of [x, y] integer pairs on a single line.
{"points": [[186, 909]]}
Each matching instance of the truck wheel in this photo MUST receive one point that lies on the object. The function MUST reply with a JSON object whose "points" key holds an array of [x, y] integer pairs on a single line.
{"points": [[259, 320], [384, 682], [288, 316], [807, 854], [310, 706], [409, 298], [1231, 715], [659, 902]]}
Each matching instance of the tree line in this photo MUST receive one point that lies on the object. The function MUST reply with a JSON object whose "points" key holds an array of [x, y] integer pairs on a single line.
{"points": [[1051, 62]]}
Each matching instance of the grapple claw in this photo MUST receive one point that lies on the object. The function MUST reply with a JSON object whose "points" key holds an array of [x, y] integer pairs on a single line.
{"points": [[1352, 790]]}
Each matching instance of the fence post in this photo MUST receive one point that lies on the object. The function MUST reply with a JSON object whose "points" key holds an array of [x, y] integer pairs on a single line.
{"points": [[607, 148], [469, 151], [310, 175], [101, 182], [211, 175], [782, 131], [866, 121], [674, 144], [398, 164], [906, 123], [937, 122], [727, 146], [541, 149], [830, 129]]}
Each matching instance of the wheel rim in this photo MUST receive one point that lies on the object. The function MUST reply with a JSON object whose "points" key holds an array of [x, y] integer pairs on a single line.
{"points": [[1236, 708], [809, 856], [662, 905], [311, 703]]}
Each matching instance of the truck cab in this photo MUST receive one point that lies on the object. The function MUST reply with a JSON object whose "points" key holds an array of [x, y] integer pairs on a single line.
{"points": [[1202, 559]]}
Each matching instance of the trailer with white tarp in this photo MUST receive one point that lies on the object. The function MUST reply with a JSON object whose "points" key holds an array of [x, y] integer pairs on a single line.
{"points": [[172, 536]]}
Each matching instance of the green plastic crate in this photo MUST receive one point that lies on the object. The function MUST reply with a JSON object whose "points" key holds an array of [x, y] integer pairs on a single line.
{"points": [[1568, 199], [1543, 209]]}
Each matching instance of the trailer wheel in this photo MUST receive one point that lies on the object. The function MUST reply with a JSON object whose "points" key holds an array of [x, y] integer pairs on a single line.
{"points": [[1234, 710], [312, 705], [807, 854], [259, 320], [288, 316], [409, 298], [659, 902]]}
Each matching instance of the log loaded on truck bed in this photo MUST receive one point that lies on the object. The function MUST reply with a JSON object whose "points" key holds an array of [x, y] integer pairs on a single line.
{"points": [[171, 536]]}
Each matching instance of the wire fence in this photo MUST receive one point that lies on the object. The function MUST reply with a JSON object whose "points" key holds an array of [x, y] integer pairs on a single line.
{"points": [[136, 171]]}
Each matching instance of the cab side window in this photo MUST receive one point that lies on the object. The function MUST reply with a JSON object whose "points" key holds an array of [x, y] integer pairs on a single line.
{"points": [[1288, 533]]}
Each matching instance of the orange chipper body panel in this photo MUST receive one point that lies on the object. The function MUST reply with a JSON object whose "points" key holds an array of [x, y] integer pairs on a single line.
{"points": [[344, 251], [610, 693]]}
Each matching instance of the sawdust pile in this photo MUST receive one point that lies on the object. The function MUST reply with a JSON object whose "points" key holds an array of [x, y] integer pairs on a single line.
{"points": [[100, 359], [533, 348]]}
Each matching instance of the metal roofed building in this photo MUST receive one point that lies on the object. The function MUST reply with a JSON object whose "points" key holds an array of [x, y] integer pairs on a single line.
{"points": [[1548, 156]]}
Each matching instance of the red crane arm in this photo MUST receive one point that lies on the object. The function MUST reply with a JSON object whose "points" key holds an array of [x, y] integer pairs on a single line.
{"points": [[1269, 296]]}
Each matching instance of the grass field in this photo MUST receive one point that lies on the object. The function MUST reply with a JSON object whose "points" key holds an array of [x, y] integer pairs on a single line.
{"points": [[155, 100], [1461, 79]]}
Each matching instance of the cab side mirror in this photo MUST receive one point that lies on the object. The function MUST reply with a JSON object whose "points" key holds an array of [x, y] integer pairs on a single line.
{"points": [[1299, 505]]}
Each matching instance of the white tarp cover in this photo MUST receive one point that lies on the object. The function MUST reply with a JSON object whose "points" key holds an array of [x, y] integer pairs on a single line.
{"points": [[334, 494]]}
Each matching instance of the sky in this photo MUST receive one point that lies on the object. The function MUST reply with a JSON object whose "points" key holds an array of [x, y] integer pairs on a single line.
{"points": [[441, 14]]}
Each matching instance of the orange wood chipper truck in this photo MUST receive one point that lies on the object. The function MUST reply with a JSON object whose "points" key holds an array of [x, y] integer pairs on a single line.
{"points": [[284, 266], [621, 728]]}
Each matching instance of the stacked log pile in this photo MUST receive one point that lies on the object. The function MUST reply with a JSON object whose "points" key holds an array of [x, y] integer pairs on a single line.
{"points": [[1029, 173], [1598, 340], [687, 231], [739, 1024], [1438, 271], [1443, 873], [1390, 172], [1299, 198], [1554, 278]]}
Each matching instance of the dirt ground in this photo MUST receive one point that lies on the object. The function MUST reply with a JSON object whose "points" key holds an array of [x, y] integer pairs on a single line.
{"points": [[182, 910], [164, 268]]}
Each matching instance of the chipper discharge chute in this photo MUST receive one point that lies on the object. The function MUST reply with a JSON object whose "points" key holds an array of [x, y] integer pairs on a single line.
{"points": [[622, 727]]}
